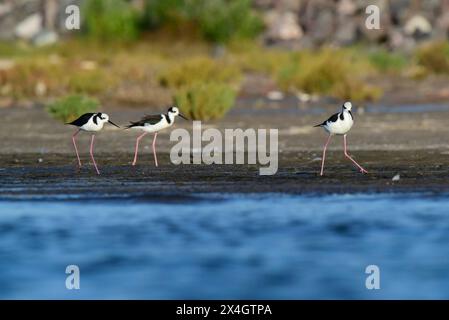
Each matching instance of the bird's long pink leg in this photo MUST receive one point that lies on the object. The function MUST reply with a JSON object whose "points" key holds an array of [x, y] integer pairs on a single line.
{"points": [[349, 157], [137, 147], [154, 148], [76, 149], [92, 153], [324, 155]]}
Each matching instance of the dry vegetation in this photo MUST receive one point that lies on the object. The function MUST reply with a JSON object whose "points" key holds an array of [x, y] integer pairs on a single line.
{"points": [[156, 71]]}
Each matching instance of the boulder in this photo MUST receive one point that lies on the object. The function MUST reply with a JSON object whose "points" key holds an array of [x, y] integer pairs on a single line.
{"points": [[283, 26], [418, 27], [376, 35], [346, 7], [400, 42], [346, 32], [44, 38], [29, 27]]}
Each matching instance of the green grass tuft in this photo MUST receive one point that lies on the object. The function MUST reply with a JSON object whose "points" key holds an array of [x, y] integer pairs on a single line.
{"points": [[110, 20], [199, 69], [205, 101], [71, 107], [385, 61], [434, 57]]}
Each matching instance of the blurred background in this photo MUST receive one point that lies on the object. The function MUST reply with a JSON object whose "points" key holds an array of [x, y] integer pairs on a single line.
{"points": [[223, 231], [209, 55]]}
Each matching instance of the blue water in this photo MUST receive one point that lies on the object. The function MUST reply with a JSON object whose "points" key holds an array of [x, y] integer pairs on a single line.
{"points": [[258, 246]]}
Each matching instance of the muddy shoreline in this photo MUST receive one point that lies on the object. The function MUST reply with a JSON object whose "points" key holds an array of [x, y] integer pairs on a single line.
{"points": [[52, 176], [37, 158]]}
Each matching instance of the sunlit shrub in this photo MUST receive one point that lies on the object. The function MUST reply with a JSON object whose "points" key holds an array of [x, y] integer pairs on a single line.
{"points": [[109, 20], [434, 57], [22, 80], [71, 107], [205, 101], [328, 72], [385, 61], [252, 57], [90, 82], [199, 69]]}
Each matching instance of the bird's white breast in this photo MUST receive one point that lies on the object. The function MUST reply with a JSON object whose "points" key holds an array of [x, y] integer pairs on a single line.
{"points": [[91, 126], [340, 126], [157, 126]]}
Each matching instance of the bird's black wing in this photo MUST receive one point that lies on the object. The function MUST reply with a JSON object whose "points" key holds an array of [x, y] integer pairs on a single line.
{"points": [[81, 120], [149, 119], [333, 118]]}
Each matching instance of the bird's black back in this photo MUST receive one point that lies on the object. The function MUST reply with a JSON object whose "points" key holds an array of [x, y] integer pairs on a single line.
{"points": [[82, 120], [333, 118], [150, 119]]}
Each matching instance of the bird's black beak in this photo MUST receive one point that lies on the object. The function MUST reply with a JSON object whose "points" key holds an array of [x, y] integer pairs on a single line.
{"points": [[182, 116], [113, 123]]}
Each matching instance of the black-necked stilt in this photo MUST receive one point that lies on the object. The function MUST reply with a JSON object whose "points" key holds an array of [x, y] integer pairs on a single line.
{"points": [[91, 122], [154, 123], [339, 124]]}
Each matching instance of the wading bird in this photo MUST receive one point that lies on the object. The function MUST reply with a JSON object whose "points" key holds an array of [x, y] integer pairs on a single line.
{"points": [[91, 122], [339, 124], [154, 123]]}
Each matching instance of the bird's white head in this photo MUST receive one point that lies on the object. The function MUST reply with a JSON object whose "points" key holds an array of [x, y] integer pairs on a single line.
{"points": [[174, 111], [103, 118], [347, 106]]}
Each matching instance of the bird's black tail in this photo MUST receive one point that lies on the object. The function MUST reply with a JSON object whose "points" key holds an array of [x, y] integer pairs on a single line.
{"points": [[319, 125], [132, 124]]}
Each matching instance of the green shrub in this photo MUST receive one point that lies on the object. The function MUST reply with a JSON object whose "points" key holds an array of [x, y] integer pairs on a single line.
{"points": [[434, 57], [71, 107], [205, 101], [89, 82], [158, 13], [218, 21], [199, 69], [222, 20], [385, 61], [110, 20], [330, 72]]}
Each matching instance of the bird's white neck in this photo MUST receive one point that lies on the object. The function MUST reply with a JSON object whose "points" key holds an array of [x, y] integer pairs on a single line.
{"points": [[171, 116]]}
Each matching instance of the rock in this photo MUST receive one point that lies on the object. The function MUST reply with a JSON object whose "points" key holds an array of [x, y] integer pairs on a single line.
{"points": [[283, 27], [5, 8], [275, 95], [381, 34], [346, 8], [40, 89], [44, 38], [263, 4], [346, 33], [396, 178], [305, 97], [442, 25], [418, 27], [6, 64], [322, 29], [399, 41], [29, 27], [289, 5]]}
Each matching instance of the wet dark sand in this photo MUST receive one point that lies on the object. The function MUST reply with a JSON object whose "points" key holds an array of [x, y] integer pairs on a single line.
{"points": [[412, 144], [56, 175]]}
